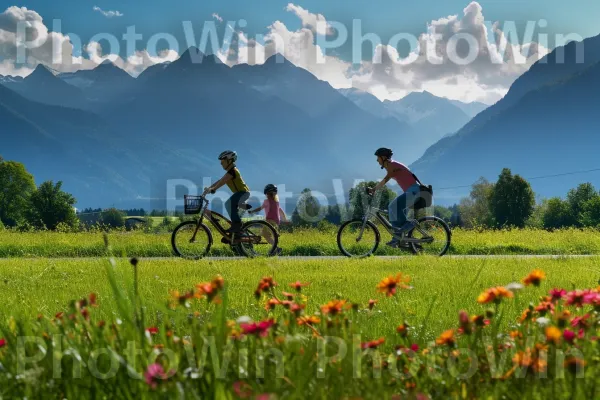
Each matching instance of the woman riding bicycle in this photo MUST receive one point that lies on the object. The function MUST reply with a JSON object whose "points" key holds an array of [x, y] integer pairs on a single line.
{"points": [[233, 180], [408, 182]]}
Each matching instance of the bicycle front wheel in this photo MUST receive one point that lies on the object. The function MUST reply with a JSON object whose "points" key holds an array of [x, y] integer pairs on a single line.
{"points": [[187, 245], [257, 239], [355, 241], [434, 237]]}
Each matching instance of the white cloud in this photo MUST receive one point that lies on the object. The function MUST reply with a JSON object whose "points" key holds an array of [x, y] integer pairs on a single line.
{"points": [[108, 14], [315, 22], [217, 17]]}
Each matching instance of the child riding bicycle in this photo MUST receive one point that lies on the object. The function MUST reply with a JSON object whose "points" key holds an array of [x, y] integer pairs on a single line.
{"points": [[233, 179]]}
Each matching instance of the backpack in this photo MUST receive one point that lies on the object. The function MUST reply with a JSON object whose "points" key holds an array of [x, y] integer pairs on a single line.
{"points": [[425, 195]]}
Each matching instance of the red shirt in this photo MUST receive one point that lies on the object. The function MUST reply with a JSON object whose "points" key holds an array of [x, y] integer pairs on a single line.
{"points": [[401, 174]]}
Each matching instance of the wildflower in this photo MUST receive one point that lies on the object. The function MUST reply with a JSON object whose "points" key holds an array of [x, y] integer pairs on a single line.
{"points": [[265, 284], [312, 320], [242, 389], [264, 396], [543, 321], [296, 308], [261, 328], [101, 324], [271, 303], [152, 330], [514, 287], [480, 320], [557, 294], [464, 323], [446, 338], [494, 295], [373, 344], [218, 282], [210, 290], [545, 307], [593, 298], [581, 322], [153, 373], [299, 285], [390, 284], [333, 307], [534, 278], [553, 334], [574, 364], [563, 318], [2, 343], [576, 298], [372, 304], [402, 330], [93, 300], [85, 313], [569, 336]]}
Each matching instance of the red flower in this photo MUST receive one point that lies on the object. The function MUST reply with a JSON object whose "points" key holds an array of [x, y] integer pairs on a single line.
{"points": [[298, 285], [569, 336], [414, 347], [373, 344], [152, 330], [2, 343], [265, 284], [242, 389], [557, 294], [85, 313], [580, 321], [259, 329]]}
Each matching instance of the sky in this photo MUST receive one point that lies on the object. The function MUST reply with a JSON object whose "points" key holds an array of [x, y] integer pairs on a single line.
{"points": [[389, 70]]}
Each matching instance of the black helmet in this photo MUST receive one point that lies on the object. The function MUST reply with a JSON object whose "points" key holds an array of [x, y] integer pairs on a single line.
{"points": [[383, 152], [228, 155], [270, 188]]}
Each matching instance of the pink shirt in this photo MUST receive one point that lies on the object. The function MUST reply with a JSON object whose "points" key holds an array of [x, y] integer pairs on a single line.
{"points": [[402, 175], [271, 208]]}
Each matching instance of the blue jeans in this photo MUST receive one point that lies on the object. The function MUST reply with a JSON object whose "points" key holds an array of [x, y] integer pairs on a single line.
{"points": [[232, 204], [399, 204]]}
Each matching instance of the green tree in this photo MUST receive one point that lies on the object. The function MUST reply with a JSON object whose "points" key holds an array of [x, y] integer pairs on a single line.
{"points": [[512, 200], [557, 214], [577, 198], [308, 211], [443, 212], [16, 184], [590, 215], [50, 206], [113, 218], [359, 198], [475, 210]]}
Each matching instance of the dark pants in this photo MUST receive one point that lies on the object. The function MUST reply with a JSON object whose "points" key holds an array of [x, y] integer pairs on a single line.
{"points": [[232, 205]]}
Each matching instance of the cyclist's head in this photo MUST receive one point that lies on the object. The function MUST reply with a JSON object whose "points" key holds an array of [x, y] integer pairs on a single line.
{"points": [[383, 154], [228, 158], [270, 188]]}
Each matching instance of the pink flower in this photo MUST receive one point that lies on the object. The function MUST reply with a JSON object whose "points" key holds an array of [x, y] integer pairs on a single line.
{"points": [[153, 374], [577, 298], [592, 298], [242, 389], [569, 336], [580, 321], [414, 347], [557, 294], [264, 396], [261, 328], [2, 343]]}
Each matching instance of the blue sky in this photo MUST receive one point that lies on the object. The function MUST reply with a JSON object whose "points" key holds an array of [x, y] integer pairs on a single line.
{"points": [[384, 17], [482, 80]]}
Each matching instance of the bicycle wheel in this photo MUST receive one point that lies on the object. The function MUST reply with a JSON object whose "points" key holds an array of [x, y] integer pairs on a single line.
{"points": [[257, 239], [191, 248], [435, 234], [353, 241]]}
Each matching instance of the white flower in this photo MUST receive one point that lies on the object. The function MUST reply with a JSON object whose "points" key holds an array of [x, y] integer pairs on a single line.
{"points": [[543, 321], [244, 319], [514, 287]]}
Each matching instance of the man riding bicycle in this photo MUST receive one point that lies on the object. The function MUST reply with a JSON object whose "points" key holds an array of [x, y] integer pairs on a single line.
{"points": [[408, 182], [233, 180]]}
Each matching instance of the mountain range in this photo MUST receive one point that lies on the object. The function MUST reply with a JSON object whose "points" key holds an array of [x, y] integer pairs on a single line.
{"points": [[544, 128]]}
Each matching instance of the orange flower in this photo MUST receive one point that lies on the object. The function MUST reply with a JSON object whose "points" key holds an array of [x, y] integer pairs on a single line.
{"points": [[402, 330], [298, 285], [446, 338], [494, 295], [390, 284], [574, 364], [534, 278], [312, 320], [553, 334], [265, 284], [373, 344], [333, 307], [271, 304]]}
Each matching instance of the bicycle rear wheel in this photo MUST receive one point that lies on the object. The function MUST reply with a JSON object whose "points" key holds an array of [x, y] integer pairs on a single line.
{"points": [[188, 246], [257, 239], [354, 241], [434, 235]]}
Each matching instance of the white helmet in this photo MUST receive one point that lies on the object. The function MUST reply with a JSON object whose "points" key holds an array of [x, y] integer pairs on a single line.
{"points": [[228, 155]]}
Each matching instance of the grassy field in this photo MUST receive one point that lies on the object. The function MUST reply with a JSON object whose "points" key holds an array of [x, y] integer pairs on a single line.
{"points": [[445, 286], [299, 243]]}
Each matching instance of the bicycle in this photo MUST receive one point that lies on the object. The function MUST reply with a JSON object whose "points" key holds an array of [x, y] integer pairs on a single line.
{"points": [[360, 237], [193, 239]]}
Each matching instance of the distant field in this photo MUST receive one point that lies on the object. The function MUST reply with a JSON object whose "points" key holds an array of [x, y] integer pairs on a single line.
{"points": [[310, 242], [445, 285]]}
